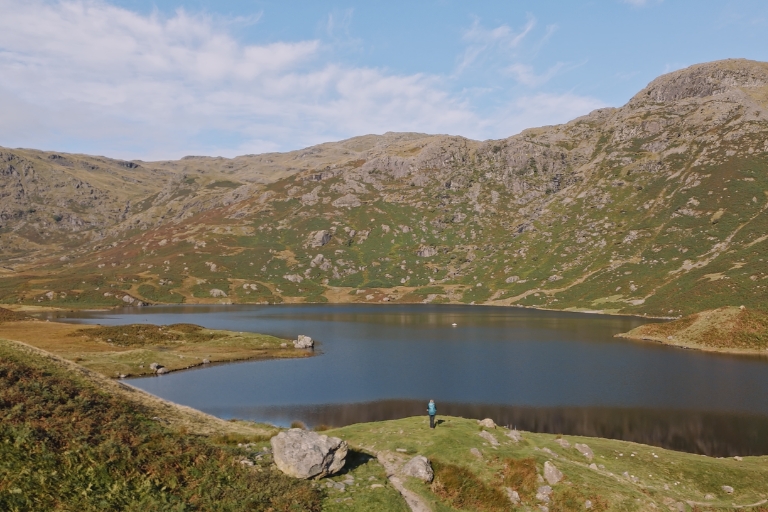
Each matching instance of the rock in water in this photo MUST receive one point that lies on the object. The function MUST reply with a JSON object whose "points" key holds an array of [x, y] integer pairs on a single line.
{"points": [[419, 467], [304, 342], [304, 454], [551, 474]]}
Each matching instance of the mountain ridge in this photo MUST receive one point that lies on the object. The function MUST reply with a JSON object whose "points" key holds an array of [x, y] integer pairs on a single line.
{"points": [[656, 207]]}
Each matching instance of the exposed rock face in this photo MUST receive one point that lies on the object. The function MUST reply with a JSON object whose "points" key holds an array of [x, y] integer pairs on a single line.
{"points": [[215, 292], [303, 341], [426, 252], [418, 467], [584, 450], [487, 423], [304, 454], [551, 474], [319, 238], [347, 201]]}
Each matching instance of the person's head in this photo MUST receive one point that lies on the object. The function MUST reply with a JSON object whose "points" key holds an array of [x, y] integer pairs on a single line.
{"points": [[431, 401]]}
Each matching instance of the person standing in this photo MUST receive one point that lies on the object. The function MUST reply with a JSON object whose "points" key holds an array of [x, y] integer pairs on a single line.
{"points": [[431, 410]]}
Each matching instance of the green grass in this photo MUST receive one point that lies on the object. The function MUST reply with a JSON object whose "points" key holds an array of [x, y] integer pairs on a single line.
{"points": [[66, 445]]}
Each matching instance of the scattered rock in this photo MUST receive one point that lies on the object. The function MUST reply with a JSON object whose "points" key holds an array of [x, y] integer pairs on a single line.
{"points": [[593, 466], [709, 496], [303, 342], [348, 201], [153, 366], [319, 238], [728, 489], [631, 478], [426, 252], [551, 474], [513, 496], [418, 467], [161, 370], [543, 493], [563, 442], [215, 292], [376, 486], [738, 458], [487, 423], [477, 453], [588, 504], [306, 454], [489, 437], [246, 462], [584, 450], [206, 361], [515, 436]]}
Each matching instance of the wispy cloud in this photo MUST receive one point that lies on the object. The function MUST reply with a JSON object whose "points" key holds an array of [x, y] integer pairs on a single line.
{"points": [[89, 76], [480, 39], [641, 3]]}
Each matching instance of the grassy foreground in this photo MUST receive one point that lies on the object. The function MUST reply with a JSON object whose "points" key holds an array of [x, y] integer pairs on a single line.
{"points": [[625, 476], [128, 350], [726, 329]]}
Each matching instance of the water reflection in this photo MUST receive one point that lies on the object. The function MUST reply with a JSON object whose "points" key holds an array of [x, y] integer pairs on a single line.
{"points": [[707, 433]]}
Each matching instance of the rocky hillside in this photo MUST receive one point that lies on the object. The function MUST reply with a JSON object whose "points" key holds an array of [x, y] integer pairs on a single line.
{"points": [[656, 207]]}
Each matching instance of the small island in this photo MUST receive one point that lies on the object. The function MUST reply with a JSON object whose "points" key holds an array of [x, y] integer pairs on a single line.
{"points": [[736, 330]]}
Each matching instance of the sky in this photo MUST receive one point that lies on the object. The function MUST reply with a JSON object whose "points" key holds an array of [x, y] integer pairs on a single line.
{"points": [[161, 79]]}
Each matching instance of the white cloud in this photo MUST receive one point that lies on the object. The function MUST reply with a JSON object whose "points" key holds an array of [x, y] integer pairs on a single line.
{"points": [[481, 39], [641, 3], [83, 75], [525, 74]]}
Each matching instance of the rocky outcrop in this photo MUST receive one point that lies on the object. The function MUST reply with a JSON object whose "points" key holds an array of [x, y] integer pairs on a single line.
{"points": [[551, 474], [305, 454]]}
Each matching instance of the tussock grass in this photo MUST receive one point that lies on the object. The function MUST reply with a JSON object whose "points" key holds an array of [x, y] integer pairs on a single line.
{"points": [[67, 445]]}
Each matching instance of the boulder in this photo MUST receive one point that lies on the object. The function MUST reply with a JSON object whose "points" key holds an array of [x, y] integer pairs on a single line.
{"points": [[488, 437], [551, 474], [513, 495], [206, 361], [215, 292], [305, 454], [515, 436], [161, 370], [563, 442], [728, 489], [487, 423], [153, 366], [418, 467], [319, 238], [348, 201], [543, 493], [303, 342], [426, 252], [584, 450], [475, 452]]}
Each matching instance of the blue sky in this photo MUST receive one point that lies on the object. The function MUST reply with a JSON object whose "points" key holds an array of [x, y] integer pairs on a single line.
{"points": [[166, 78]]}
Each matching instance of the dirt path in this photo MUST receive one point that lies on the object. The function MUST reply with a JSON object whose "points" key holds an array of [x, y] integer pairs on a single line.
{"points": [[392, 462]]}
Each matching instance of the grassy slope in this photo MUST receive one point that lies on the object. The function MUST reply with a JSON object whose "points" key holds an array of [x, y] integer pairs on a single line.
{"points": [[670, 478], [68, 442], [727, 329], [130, 349]]}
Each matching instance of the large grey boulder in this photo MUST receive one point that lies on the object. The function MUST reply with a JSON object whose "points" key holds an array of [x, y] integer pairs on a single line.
{"points": [[584, 450], [305, 454], [303, 342], [319, 238], [551, 474], [418, 467]]}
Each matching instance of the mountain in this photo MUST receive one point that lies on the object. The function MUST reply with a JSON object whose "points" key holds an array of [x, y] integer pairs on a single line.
{"points": [[657, 207]]}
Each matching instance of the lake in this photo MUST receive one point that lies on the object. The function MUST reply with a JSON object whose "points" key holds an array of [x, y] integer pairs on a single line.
{"points": [[543, 371]]}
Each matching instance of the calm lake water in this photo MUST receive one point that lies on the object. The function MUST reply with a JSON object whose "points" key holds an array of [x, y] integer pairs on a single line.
{"points": [[537, 370]]}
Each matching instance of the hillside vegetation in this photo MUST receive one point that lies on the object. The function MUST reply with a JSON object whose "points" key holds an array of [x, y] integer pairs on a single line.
{"points": [[68, 443], [727, 329], [657, 207]]}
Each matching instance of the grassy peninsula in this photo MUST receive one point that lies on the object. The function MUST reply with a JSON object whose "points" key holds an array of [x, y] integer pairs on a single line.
{"points": [[726, 329], [129, 350]]}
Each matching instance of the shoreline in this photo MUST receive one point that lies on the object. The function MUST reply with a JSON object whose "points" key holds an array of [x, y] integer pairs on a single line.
{"points": [[690, 346]]}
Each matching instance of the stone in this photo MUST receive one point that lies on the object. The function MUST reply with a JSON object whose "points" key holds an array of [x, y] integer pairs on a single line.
{"points": [[306, 454], [709, 496], [319, 238], [488, 437], [153, 366], [551, 474], [426, 252], [584, 450], [476, 453], [563, 442], [206, 361], [588, 504], [376, 486], [418, 467], [161, 370], [593, 466], [487, 423], [513, 495], [728, 489], [543, 493], [317, 260], [215, 292], [303, 342], [515, 436], [348, 201], [737, 458]]}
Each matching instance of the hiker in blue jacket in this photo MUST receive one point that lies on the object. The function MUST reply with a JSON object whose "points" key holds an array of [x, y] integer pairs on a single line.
{"points": [[431, 410]]}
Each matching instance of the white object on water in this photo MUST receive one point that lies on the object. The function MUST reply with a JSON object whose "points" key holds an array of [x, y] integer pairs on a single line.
{"points": [[453, 324]]}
